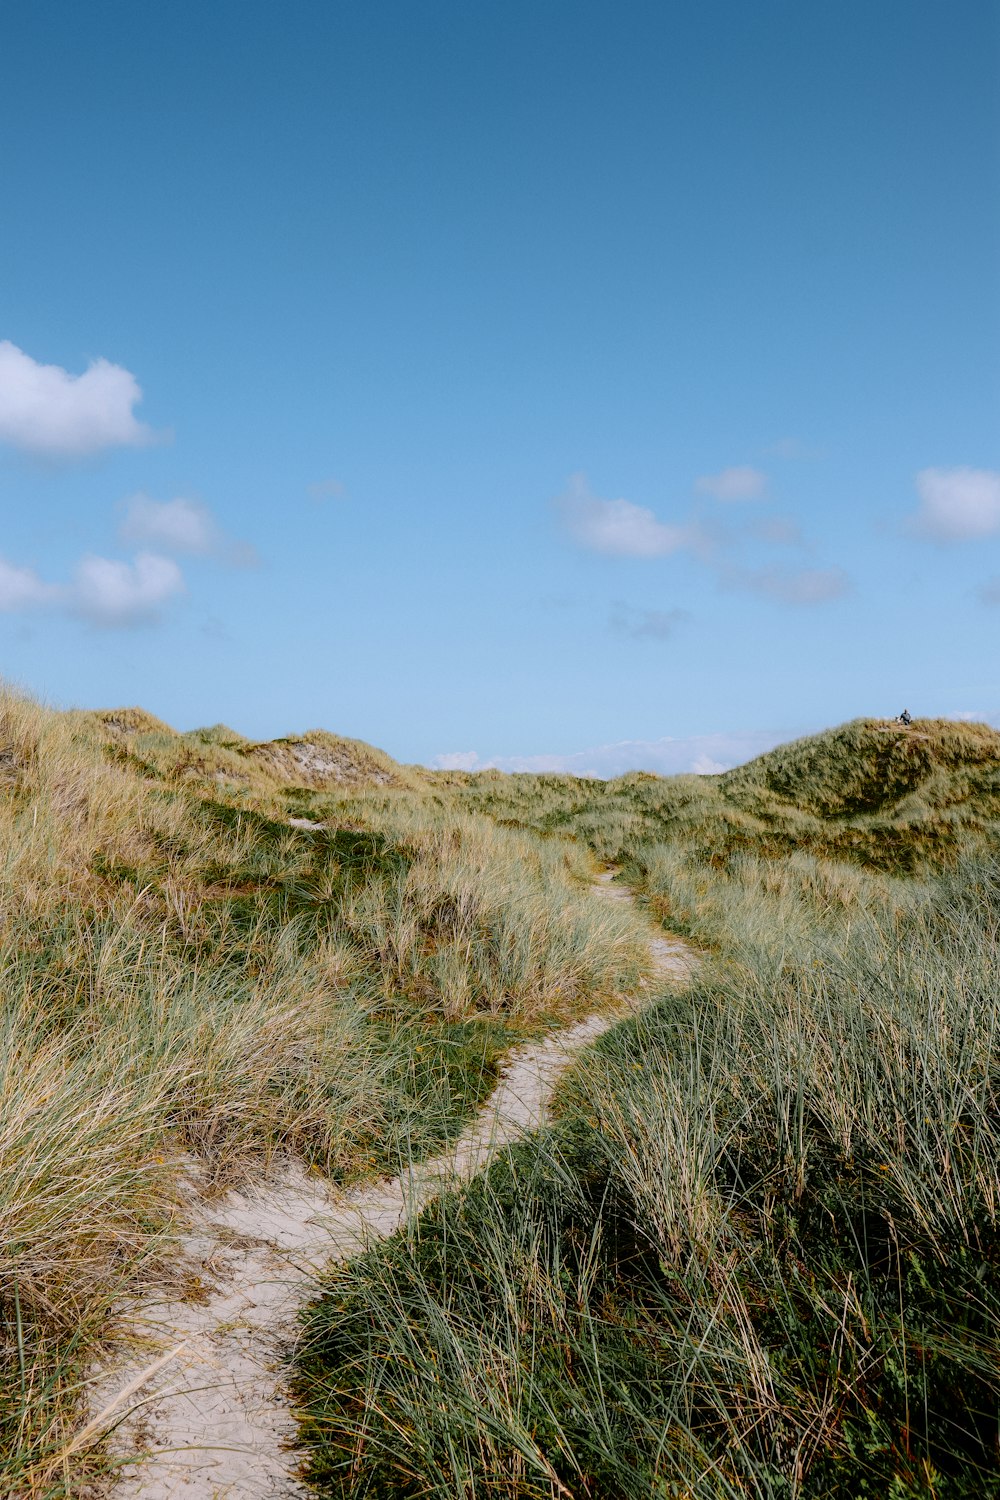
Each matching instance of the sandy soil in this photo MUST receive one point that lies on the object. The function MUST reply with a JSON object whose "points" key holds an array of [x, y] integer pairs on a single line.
{"points": [[196, 1401]]}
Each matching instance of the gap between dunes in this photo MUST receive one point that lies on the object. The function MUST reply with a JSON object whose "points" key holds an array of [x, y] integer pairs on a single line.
{"points": [[196, 1406]]}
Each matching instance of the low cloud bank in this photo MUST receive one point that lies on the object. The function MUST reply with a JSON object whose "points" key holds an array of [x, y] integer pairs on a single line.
{"points": [[702, 754], [705, 755]]}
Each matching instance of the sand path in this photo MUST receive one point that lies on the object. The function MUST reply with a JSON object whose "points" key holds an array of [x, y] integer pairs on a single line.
{"points": [[197, 1402]]}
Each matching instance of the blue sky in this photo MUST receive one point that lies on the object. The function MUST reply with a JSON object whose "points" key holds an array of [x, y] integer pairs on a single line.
{"points": [[555, 383]]}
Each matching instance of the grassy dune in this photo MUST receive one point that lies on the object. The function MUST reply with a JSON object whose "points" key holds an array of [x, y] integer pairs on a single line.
{"points": [[869, 792], [186, 972], [759, 1254]]}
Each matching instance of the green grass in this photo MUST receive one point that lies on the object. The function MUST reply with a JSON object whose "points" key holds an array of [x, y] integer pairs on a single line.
{"points": [[185, 972], [870, 792], [759, 1255]]}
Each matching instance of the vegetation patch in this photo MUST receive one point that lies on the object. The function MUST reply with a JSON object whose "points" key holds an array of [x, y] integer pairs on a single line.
{"points": [[187, 972], [759, 1254], [872, 792]]}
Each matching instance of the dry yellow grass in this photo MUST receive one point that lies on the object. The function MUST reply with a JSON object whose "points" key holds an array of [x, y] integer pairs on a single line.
{"points": [[185, 971]]}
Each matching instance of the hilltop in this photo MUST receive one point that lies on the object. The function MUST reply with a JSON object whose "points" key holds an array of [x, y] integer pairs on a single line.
{"points": [[221, 757], [875, 767], [871, 791]]}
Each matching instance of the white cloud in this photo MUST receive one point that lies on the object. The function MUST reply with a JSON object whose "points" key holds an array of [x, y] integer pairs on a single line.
{"points": [[103, 590], [651, 624], [704, 765], [180, 525], [617, 528], [22, 589], [46, 410], [109, 592], [741, 483], [456, 760], [704, 754], [184, 526], [620, 528], [792, 585], [957, 505]]}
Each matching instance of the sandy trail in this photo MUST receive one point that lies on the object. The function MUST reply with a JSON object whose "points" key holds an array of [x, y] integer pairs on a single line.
{"points": [[212, 1421]]}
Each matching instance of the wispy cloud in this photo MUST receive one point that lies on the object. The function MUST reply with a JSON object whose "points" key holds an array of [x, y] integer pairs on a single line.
{"points": [[47, 411], [704, 754], [790, 448], [113, 593], [617, 528], [649, 624], [182, 526], [22, 589], [957, 505], [741, 483], [104, 591], [327, 489], [989, 592], [620, 528], [791, 585], [776, 531]]}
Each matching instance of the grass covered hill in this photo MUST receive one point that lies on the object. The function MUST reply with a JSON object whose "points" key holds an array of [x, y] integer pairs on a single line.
{"points": [[759, 1253], [315, 761], [871, 767], [756, 1256], [872, 791], [237, 951]]}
